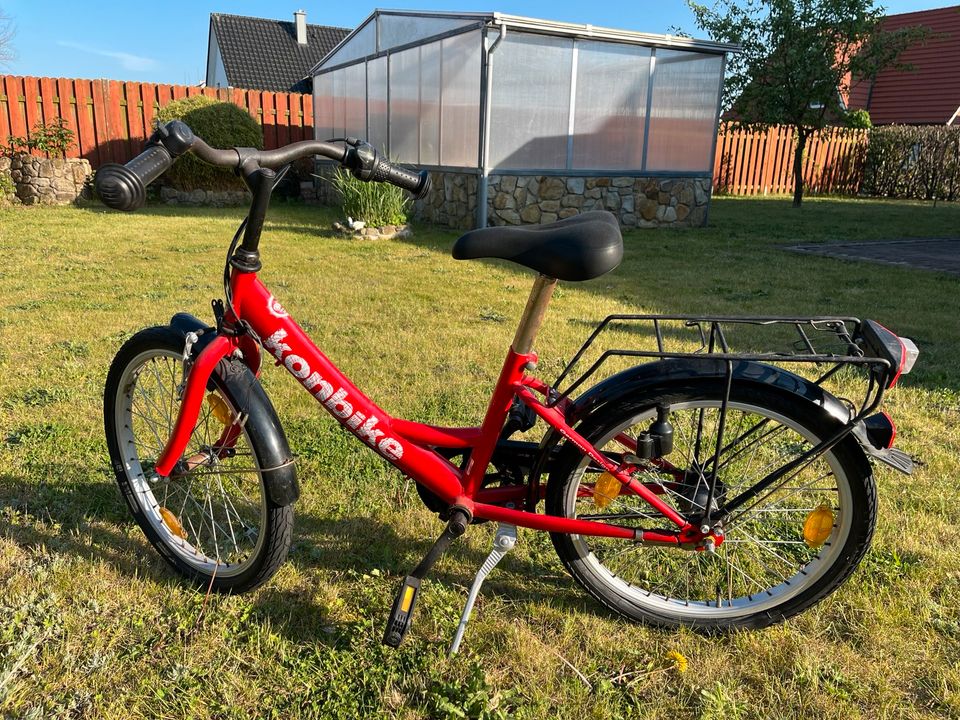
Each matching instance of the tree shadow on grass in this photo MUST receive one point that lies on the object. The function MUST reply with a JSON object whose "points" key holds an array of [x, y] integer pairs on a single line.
{"points": [[89, 521]]}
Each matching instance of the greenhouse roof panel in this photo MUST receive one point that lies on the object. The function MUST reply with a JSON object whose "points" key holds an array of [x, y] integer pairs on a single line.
{"points": [[387, 29]]}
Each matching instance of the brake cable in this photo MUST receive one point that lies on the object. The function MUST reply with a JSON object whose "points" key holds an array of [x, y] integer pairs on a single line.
{"points": [[228, 294]]}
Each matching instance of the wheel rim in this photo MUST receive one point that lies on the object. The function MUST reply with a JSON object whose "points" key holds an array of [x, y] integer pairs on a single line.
{"points": [[216, 497], [764, 560]]}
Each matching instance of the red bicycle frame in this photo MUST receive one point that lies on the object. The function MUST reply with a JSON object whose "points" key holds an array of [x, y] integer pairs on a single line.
{"points": [[408, 445]]}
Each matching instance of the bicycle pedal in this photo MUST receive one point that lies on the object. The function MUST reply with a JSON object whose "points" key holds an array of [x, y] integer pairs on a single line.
{"points": [[402, 612]]}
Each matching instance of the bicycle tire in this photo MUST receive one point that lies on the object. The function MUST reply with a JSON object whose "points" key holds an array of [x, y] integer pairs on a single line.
{"points": [[141, 400], [646, 583]]}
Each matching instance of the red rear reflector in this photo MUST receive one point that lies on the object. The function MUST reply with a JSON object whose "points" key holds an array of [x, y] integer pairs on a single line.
{"points": [[881, 430]]}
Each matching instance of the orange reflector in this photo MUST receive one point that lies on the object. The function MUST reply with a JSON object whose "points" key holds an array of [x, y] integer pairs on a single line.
{"points": [[818, 526], [173, 525], [605, 490], [407, 598], [219, 409]]}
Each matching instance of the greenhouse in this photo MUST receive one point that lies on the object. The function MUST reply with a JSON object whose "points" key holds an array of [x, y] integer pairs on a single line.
{"points": [[524, 121]]}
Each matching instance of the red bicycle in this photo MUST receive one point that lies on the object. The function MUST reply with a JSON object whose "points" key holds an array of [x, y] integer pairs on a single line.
{"points": [[702, 487]]}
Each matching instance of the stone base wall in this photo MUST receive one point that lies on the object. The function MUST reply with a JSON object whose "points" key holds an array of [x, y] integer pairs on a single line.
{"points": [[451, 201], [323, 191], [636, 202], [211, 198], [29, 180]]}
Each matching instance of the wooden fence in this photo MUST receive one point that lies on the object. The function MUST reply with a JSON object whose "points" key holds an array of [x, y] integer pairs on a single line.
{"points": [[111, 119], [750, 162]]}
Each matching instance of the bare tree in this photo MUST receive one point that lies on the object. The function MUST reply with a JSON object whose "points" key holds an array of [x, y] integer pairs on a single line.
{"points": [[6, 40]]}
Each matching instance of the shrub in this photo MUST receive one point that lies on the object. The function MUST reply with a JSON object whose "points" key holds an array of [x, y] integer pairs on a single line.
{"points": [[375, 203], [54, 139], [221, 125], [913, 162], [859, 119], [7, 187]]}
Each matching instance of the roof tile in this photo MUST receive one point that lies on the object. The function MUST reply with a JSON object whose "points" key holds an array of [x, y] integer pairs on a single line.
{"points": [[264, 54], [930, 92]]}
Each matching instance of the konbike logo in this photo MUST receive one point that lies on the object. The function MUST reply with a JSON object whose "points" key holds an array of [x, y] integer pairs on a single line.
{"points": [[362, 426]]}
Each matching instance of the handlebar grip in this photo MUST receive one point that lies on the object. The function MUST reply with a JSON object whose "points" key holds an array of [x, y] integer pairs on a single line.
{"points": [[368, 165], [417, 183], [123, 187]]}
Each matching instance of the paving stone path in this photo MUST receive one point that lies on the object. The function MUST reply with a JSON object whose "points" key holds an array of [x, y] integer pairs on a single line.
{"points": [[938, 254]]}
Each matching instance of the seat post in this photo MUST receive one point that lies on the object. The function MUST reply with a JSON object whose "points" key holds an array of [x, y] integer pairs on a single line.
{"points": [[533, 314]]}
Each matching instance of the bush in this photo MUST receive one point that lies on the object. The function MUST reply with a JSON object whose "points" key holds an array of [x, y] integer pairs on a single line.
{"points": [[375, 203], [221, 125], [913, 162], [858, 119], [54, 139]]}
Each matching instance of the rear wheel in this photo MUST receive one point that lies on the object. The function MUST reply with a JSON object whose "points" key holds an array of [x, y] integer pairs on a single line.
{"points": [[212, 520], [766, 569]]}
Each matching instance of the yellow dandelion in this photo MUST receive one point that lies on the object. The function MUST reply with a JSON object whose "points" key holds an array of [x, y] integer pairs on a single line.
{"points": [[678, 660]]}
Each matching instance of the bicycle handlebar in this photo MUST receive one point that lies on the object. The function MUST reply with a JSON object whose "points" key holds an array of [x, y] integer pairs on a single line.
{"points": [[123, 187]]}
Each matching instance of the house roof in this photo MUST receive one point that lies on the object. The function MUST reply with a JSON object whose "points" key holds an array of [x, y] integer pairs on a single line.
{"points": [[928, 94], [264, 54]]}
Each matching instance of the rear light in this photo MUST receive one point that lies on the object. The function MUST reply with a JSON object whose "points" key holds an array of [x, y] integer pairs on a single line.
{"points": [[911, 351], [900, 352]]}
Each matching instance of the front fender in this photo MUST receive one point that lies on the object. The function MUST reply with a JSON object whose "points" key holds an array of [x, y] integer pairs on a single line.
{"points": [[185, 323], [279, 474]]}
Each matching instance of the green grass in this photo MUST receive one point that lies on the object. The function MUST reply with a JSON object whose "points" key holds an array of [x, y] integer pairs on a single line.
{"points": [[92, 624]]}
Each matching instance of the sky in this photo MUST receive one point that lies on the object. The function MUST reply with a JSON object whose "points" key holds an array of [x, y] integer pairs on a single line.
{"points": [[167, 41]]}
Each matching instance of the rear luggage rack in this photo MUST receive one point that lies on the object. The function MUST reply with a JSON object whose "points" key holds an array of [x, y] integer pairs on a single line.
{"points": [[709, 335]]}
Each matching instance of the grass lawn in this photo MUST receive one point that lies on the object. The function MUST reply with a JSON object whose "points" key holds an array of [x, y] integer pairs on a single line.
{"points": [[92, 624]]}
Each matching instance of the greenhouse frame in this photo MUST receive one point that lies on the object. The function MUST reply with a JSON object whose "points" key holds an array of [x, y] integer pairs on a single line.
{"points": [[523, 121]]}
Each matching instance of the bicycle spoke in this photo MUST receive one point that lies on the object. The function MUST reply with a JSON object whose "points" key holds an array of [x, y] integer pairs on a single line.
{"points": [[763, 550]]}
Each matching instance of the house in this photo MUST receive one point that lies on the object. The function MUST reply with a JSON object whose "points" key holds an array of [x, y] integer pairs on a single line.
{"points": [[264, 54], [523, 120], [929, 94]]}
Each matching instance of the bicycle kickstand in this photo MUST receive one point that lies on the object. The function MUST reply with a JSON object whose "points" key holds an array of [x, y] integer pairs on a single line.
{"points": [[503, 542]]}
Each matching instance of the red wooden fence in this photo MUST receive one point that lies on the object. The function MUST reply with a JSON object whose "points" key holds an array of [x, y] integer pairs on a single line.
{"points": [[111, 119], [750, 162]]}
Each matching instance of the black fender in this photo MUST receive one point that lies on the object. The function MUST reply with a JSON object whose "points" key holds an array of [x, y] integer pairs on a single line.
{"points": [[185, 323], [675, 373], [280, 477]]}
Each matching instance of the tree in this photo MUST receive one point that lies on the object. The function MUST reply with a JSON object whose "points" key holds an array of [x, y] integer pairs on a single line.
{"points": [[6, 40], [798, 57]]}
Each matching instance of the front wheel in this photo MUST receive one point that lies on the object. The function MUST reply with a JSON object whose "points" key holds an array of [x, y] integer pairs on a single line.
{"points": [[767, 569], [213, 519]]}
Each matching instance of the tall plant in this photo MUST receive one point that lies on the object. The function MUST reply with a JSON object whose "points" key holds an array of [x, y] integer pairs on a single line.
{"points": [[375, 203], [54, 139], [797, 59]]}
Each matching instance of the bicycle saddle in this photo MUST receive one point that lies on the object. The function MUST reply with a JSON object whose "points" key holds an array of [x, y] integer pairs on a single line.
{"points": [[581, 247]]}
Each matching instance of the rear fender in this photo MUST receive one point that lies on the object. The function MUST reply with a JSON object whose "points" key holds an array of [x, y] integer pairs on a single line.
{"points": [[675, 374]]}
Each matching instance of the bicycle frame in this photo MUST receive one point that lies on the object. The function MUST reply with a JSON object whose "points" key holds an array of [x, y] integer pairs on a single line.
{"points": [[407, 445]]}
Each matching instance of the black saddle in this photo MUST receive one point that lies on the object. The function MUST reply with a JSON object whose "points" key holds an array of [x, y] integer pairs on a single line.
{"points": [[581, 247]]}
